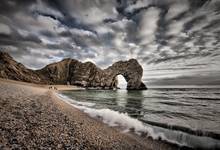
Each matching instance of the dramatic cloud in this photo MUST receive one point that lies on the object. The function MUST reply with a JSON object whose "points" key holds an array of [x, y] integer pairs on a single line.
{"points": [[148, 25], [175, 40]]}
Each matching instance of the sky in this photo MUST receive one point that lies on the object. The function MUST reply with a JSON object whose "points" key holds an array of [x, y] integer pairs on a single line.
{"points": [[177, 42]]}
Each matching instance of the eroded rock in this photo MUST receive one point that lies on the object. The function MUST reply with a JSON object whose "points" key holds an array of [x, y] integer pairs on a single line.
{"points": [[74, 72]]}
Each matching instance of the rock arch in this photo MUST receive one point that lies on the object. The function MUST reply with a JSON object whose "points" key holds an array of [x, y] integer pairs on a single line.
{"points": [[74, 72], [131, 70]]}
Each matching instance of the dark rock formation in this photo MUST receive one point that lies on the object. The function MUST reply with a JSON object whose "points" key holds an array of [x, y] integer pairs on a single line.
{"points": [[74, 72], [131, 70], [10, 69], [57, 73]]}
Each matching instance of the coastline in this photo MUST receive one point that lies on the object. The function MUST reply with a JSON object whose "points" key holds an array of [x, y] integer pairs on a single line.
{"points": [[32, 116]]}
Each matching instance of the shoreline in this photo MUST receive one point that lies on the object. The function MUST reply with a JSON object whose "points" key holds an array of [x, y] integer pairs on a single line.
{"points": [[32, 116], [141, 136]]}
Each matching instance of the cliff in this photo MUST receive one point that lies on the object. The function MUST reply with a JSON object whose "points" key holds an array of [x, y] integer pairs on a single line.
{"points": [[10, 69], [74, 72]]}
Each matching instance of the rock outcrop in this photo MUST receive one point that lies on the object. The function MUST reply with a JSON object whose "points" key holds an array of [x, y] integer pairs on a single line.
{"points": [[74, 72], [10, 69], [131, 70]]}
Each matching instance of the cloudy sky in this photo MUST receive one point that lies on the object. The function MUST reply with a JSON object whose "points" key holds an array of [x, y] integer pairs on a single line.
{"points": [[176, 41]]}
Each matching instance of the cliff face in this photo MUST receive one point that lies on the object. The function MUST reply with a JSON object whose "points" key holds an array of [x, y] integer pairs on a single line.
{"points": [[56, 73], [10, 69], [74, 72]]}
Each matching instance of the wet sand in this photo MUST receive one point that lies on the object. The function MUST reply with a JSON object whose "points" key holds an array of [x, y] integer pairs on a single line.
{"points": [[32, 117]]}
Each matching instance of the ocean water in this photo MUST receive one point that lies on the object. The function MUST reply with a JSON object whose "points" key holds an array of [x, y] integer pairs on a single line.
{"points": [[184, 116]]}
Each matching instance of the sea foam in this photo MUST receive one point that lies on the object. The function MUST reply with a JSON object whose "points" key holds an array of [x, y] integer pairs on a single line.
{"points": [[127, 123], [71, 101], [115, 118]]}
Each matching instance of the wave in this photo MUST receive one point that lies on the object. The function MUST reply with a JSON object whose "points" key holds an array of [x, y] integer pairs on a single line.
{"points": [[184, 129], [158, 97], [175, 103], [178, 135], [122, 120], [89, 104], [205, 98]]}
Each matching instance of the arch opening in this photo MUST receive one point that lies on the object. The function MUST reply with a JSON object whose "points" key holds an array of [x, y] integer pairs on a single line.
{"points": [[122, 83]]}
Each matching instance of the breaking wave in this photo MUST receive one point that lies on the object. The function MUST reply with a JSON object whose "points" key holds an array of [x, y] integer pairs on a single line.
{"points": [[156, 131]]}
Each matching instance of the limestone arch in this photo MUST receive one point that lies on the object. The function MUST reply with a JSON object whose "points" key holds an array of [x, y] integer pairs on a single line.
{"points": [[131, 70]]}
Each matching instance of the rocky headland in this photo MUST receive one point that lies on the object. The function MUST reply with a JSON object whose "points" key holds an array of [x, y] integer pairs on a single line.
{"points": [[73, 72]]}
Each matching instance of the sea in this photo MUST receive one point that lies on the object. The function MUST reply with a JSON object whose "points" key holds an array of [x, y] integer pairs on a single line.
{"points": [[186, 116]]}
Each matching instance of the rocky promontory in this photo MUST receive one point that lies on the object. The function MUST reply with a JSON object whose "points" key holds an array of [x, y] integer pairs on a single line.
{"points": [[74, 72]]}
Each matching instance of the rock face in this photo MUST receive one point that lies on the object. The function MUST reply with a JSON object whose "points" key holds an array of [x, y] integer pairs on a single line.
{"points": [[74, 72], [10, 69], [131, 70]]}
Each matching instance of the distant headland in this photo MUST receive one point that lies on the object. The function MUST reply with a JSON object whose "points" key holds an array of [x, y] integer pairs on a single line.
{"points": [[73, 72]]}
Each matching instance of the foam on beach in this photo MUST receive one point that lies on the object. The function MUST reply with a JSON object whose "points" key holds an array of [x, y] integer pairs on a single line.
{"points": [[71, 101], [127, 123], [117, 119]]}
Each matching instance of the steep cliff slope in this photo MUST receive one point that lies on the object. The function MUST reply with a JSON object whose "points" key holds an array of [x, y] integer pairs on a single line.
{"points": [[10, 69]]}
